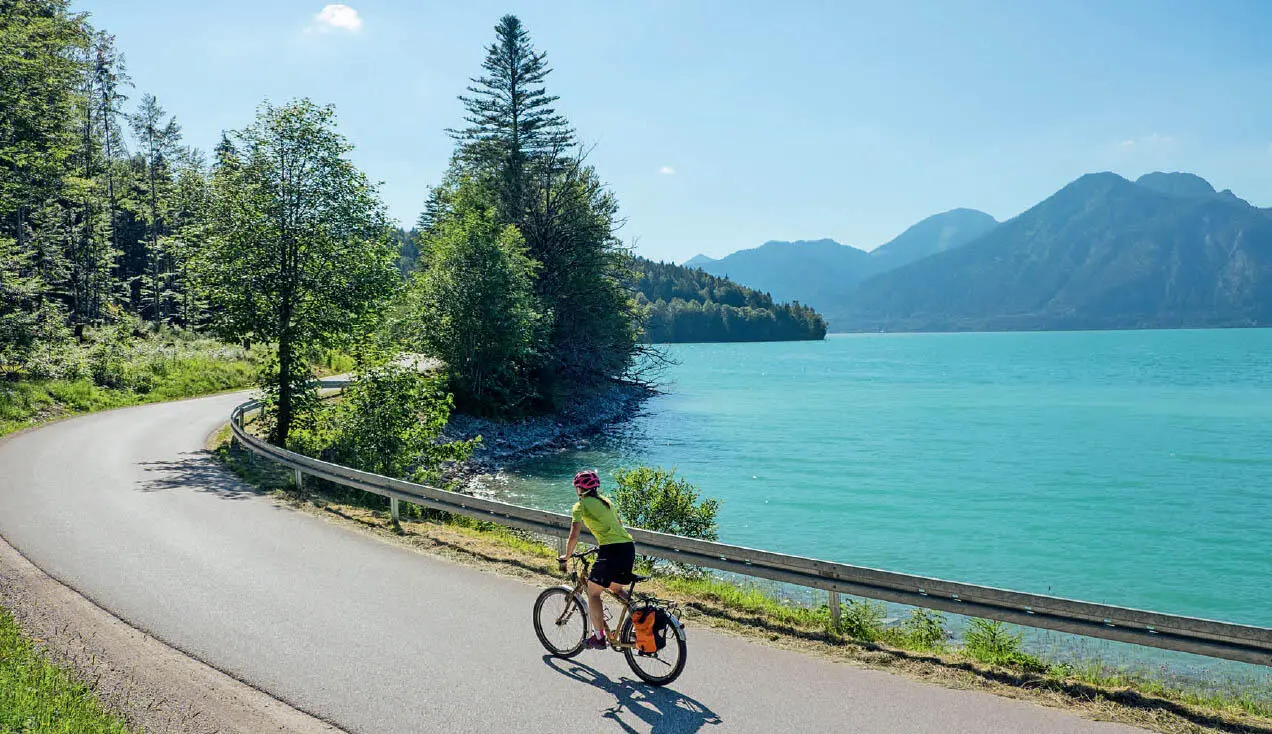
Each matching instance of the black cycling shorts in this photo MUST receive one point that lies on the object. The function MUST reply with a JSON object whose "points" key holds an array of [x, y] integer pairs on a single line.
{"points": [[613, 564]]}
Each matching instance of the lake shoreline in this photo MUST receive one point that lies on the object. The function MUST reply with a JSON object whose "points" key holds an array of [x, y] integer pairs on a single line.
{"points": [[506, 443]]}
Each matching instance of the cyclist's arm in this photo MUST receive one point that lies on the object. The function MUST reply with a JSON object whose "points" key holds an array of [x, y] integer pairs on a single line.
{"points": [[575, 528]]}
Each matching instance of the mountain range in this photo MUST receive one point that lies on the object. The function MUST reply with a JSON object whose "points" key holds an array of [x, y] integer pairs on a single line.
{"points": [[822, 273], [1166, 250]]}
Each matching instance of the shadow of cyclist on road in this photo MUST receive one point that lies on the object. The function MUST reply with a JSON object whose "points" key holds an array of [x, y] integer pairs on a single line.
{"points": [[664, 710]]}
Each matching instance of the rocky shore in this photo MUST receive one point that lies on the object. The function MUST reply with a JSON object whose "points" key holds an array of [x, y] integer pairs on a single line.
{"points": [[505, 443]]}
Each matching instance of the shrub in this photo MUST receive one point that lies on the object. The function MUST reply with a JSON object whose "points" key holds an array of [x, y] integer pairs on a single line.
{"points": [[862, 619], [924, 629], [998, 644], [389, 422], [654, 499]]}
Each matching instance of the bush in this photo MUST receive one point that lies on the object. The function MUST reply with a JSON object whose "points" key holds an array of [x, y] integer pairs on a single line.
{"points": [[924, 629], [998, 644], [654, 499], [862, 619], [389, 422]]}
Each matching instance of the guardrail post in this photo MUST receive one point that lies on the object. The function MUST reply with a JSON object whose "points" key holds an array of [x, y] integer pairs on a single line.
{"points": [[393, 509], [561, 543], [300, 481], [834, 609]]}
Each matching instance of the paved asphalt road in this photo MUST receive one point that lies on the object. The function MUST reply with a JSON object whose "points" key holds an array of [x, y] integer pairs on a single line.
{"points": [[126, 508]]}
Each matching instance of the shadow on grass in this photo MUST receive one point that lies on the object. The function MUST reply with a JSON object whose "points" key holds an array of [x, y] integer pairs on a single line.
{"points": [[662, 710]]}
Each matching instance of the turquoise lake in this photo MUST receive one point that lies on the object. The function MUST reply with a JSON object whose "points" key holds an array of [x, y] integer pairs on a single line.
{"points": [[1131, 468]]}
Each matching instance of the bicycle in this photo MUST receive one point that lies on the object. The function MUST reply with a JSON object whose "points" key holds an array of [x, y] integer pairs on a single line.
{"points": [[561, 622]]}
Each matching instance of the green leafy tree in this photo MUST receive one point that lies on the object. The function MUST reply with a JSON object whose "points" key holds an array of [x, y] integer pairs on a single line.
{"points": [[653, 498], [476, 307], [571, 228], [390, 422], [299, 253]]}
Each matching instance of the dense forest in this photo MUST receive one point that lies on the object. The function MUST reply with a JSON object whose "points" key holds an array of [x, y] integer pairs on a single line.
{"points": [[111, 223], [689, 305]]}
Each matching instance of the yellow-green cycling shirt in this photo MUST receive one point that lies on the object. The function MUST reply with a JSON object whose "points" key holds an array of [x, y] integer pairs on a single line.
{"points": [[600, 520]]}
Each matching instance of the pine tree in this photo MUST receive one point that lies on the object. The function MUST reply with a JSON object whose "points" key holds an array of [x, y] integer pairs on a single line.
{"points": [[511, 120], [159, 141], [41, 54], [109, 73]]}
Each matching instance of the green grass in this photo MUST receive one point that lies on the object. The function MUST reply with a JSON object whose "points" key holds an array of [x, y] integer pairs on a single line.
{"points": [[115, 367], [36, 696]]}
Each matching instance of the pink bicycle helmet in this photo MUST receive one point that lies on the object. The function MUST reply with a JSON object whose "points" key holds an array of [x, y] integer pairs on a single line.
{"points": [[587, 480]]}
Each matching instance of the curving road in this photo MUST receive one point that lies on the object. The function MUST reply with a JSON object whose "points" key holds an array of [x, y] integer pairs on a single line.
{"points": [[127, 509]]}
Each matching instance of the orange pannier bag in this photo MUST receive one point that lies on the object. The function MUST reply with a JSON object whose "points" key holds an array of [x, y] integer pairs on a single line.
{"points": [[643, 623]]}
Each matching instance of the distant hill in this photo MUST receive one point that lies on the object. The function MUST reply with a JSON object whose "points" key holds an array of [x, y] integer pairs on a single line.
{"points": [[822, 273], [1103, 252], [1184, 184], [938, 233], [816, 272], [689, 305]]}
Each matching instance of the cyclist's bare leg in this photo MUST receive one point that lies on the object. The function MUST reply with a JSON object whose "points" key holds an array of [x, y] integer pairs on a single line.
{"points": [[595, 610]]}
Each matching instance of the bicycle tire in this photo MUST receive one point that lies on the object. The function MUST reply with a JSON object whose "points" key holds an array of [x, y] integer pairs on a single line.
{"points": [[628, 636], [571, 647]]}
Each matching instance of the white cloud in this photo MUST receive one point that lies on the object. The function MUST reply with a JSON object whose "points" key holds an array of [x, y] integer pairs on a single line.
{"points": [[1152, 139], [667, 171], [337, 17]]}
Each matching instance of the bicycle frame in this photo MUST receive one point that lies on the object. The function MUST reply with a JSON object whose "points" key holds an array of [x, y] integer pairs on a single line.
{"points": [[580, 592]]}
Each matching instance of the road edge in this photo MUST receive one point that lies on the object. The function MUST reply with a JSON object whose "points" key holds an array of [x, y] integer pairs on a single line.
{"points": [[152, 685]]}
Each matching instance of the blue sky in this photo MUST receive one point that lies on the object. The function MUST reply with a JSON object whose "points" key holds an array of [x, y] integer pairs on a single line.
{"points": [[721, 125]]}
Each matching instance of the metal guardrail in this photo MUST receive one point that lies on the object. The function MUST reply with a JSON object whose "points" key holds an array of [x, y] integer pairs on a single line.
{"points": [[1211, 638]]}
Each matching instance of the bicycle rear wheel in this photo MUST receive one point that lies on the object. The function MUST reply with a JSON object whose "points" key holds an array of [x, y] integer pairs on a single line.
{"points": [[560, 621], [656, 669]]}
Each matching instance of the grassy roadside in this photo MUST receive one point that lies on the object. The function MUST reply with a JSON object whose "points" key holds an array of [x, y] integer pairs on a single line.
{"points": [[114, 368], [37, 696], [989, 658]]}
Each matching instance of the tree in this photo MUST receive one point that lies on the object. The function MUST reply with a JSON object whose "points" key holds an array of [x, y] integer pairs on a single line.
{"points": [[570, 229], [160, 141], [109, 73], [476, 307], [299, 252], [518, 147], [510, 116], [41, 55]]}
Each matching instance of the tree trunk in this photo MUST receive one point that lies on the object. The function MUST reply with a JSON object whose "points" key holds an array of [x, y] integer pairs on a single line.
{"points": [[282, 426]]}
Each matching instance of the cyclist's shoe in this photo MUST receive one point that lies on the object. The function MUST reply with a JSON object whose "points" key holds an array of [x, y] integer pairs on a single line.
{"points": [[596, 643]]}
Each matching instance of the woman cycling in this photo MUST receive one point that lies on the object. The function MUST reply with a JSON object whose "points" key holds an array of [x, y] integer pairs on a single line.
{"points": [[614, 558]]}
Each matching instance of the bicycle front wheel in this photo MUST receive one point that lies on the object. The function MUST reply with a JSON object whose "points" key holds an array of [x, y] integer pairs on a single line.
{"points": [[560, 622], [659, 668]]}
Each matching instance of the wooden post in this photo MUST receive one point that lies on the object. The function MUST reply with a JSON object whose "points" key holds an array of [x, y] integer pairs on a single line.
{"points": [[393, 509], [834, 609], [300, 481]]}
